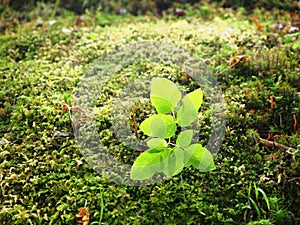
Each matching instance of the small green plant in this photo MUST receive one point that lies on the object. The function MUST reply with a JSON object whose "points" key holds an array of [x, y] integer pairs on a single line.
{"points": [[163, 156], [260, 222], [255, 202], [279, 213], [101, 209]]}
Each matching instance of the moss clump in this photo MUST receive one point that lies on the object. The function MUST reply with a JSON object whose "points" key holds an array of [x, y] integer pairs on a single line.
{"points": [[44, 176]]}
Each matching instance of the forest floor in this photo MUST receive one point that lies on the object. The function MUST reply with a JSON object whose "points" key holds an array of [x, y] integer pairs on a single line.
{"points": [[44, 175]]}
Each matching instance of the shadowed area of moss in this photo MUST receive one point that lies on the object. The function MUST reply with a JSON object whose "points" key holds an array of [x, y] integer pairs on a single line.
{"points": [[44, 178]]}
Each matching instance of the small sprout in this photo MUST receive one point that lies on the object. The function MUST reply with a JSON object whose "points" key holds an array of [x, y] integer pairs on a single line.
{"points": [[163, 156]]}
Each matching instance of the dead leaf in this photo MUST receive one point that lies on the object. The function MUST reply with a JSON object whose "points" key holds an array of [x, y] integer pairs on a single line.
{"points": [[81, 20], [257, 23], [179, 12], [83, 216], [251, 111], [65, 107], [272, 156], [236, 60], [291, 29], [288, 28], [86, 119], [77, 109], [279, 26]]}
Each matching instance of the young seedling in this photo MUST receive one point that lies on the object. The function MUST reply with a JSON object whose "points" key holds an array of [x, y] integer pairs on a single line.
{"points": [[162, 156]]}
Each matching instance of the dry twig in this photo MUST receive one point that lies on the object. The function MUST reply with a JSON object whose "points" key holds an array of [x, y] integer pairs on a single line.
{"points": [[273, 144]]}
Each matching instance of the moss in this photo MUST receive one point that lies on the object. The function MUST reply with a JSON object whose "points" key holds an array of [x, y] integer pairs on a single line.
{"points": [[45, 177]]}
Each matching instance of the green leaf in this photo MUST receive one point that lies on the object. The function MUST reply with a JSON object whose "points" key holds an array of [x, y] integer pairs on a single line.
{"points": [[265, 197], [174, 163], [184, 138], [256, 207], [148, 163], [199, 157], [196, 97], [162, 126], [149, 157], [188, 111], [157, 143], [142, 173], [164, 95], [296, 45]]}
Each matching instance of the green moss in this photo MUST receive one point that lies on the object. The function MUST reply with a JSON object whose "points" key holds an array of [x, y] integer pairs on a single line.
{"points": [[44, 178]]}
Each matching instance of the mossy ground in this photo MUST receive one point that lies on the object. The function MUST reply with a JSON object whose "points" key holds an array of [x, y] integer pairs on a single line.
{"points": [[41, 181]]}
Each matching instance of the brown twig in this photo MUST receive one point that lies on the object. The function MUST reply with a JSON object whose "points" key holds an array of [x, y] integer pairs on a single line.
{"points": [[246, 211], [273, 144], [272, 102], [134, 123], [295, 123]]}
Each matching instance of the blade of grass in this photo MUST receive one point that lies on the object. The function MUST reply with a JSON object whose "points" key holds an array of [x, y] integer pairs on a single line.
{"points": [[249, 190], [256, 192], [102, 206], [256, 207], [265, 197], [56, 5], [101, 210]]}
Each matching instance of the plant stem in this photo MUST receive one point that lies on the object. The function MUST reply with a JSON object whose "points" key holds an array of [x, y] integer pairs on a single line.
{"points": [[56, 5], [102, 206]]}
